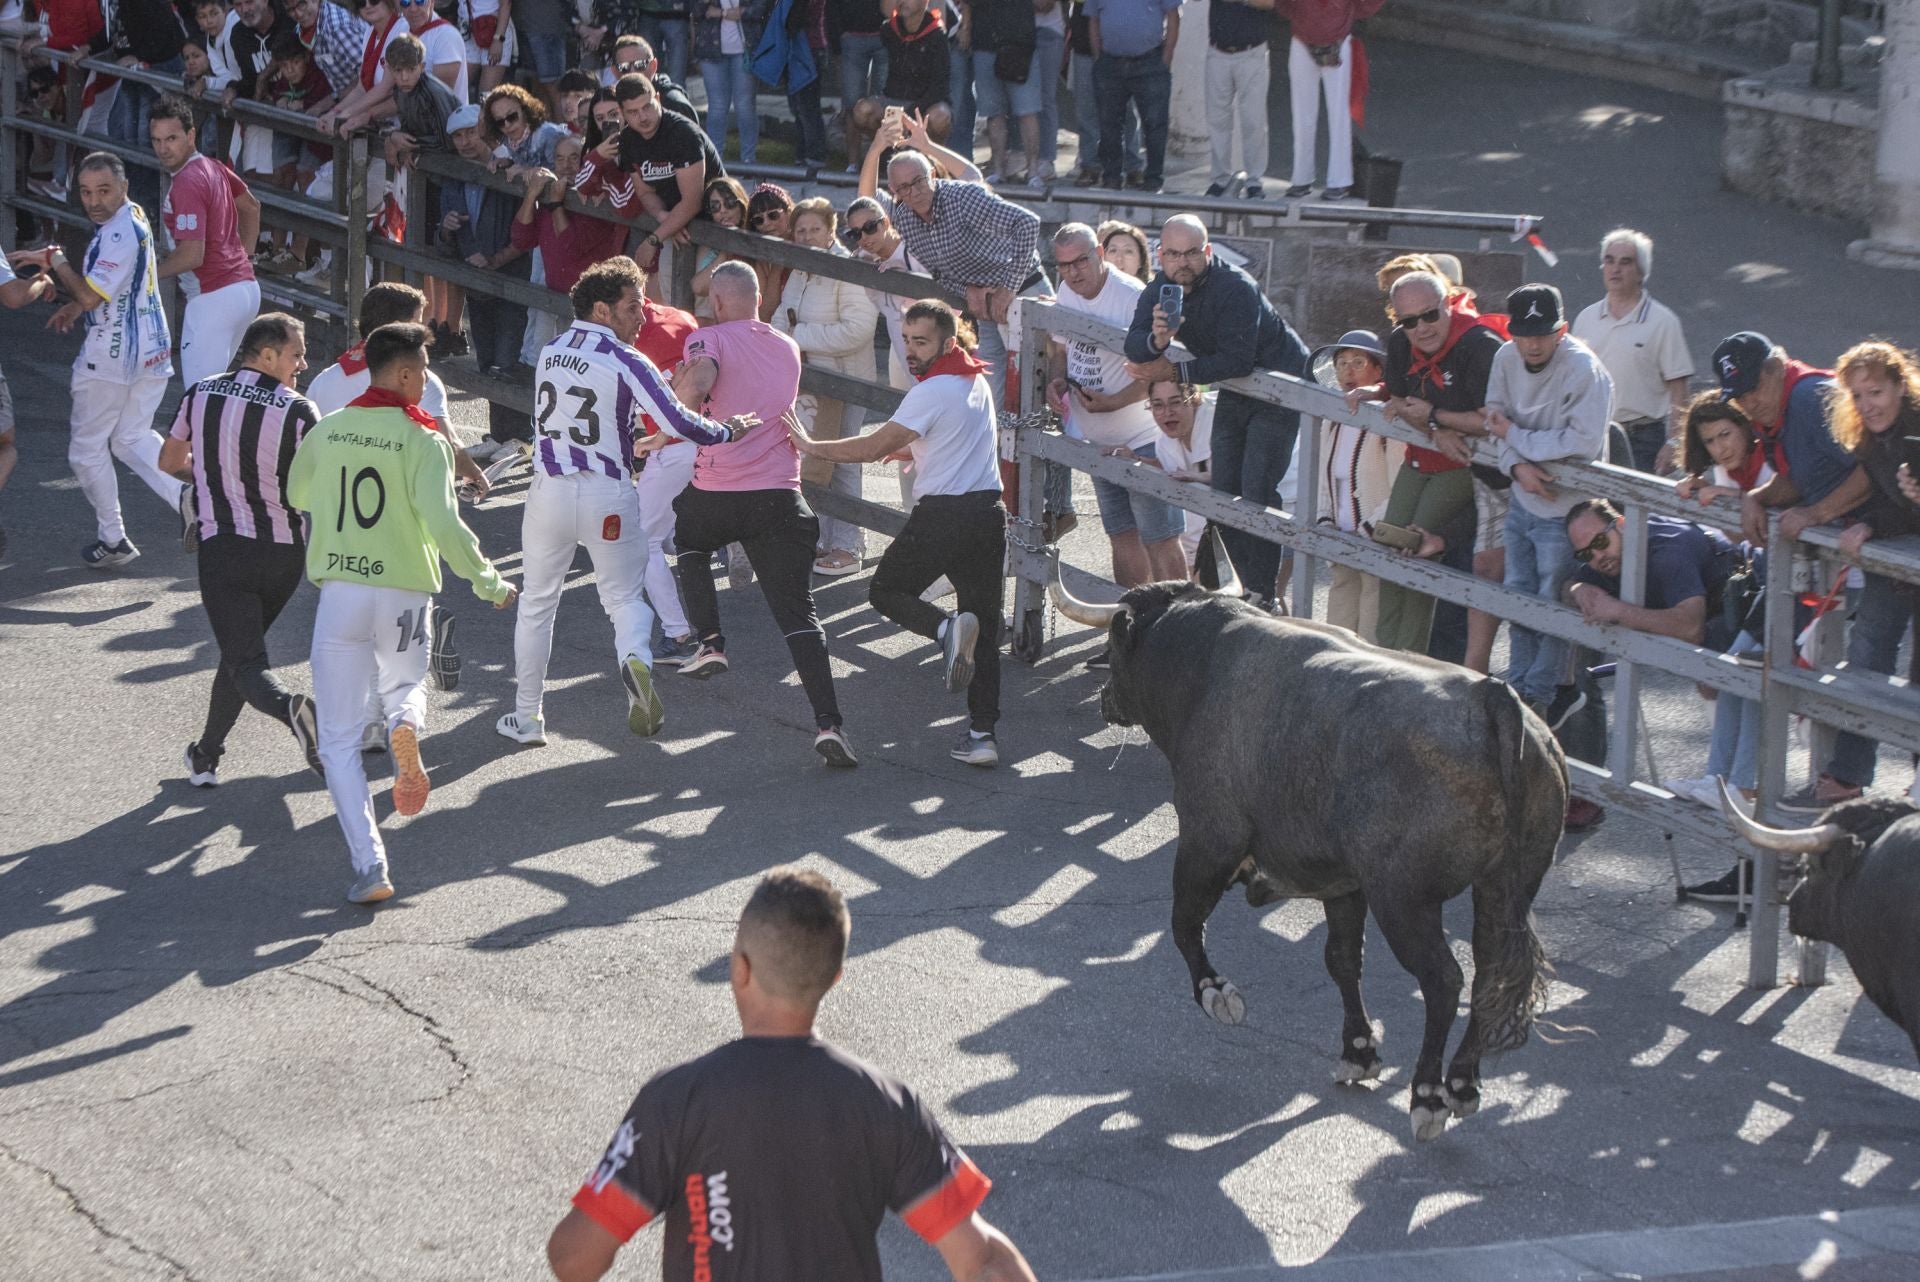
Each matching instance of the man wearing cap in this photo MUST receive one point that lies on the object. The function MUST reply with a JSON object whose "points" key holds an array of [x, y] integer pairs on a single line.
{"points": [[1640, 343], [1815, 478], [1549, 399], [1358, 470]]}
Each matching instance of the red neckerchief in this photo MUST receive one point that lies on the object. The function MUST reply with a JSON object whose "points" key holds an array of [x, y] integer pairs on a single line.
{"points": [[379, 398], [370, 60], [926, 29], [955, 360], [354, 359], [1462, 318], [1771, 445], [1747, 475]]}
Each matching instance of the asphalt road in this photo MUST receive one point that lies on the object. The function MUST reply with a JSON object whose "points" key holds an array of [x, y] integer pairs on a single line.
{"points": [[212, 1067]]}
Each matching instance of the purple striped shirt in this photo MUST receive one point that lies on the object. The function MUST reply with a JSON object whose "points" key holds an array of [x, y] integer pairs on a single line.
{"points": [[243, 427], [594, 395]]}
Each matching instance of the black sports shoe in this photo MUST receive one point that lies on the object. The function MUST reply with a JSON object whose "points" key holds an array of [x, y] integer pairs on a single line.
{"points": [[202, 771], [1216, 189], [98, 555], [1567, 700], [306, 731], [1730, 888], [831, 743], [189, 520], [443, 660]]}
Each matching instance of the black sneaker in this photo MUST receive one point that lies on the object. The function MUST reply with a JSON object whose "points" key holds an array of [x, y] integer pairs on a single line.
{"points": [[1567, 700], [306, 731], [1736, 884], [976, 750], [1337, 193], [202, 771], [1300, 191], [189, 520], [1216, 189], [443, 660], [98, 555], [1256, 191], [831, 743]]}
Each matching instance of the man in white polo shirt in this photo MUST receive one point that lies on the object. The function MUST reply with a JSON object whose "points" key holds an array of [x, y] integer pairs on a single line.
{"points": [[958, 526], [1640, 343]]}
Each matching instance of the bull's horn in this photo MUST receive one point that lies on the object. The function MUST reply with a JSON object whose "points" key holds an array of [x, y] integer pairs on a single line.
{"points": [[1223, 570], [1081, 612], [1789, 841]]}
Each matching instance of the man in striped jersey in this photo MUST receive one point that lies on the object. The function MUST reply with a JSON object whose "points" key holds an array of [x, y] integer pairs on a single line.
{"points": [[234, 438], [124, 364], [595, 397]]}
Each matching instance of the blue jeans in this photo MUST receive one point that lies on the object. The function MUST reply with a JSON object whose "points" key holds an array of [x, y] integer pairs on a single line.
{"points": [[1046, 67], [1539, 562], [1145, 83], [960, 98], [1252, 449], [812, 144], [731, 104], [546, 55], [1879, 622], [1124, 511], [1086, 107], [668, 36], [863, 68], [1734, 753], [993, 96]]}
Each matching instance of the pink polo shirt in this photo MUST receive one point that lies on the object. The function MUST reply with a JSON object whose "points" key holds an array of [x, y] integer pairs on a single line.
{"points": [[759, 374]]}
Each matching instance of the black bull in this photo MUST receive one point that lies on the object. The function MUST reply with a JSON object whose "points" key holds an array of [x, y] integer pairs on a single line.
{"points": [[1315, 765]]}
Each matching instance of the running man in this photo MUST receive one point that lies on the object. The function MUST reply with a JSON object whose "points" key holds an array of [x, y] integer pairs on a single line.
{"points": [[14, 293], [379, 490], [214, 221], [958, 527], [750, 494], [234, 438], [594, 398], [776, 1155], [121, 373]]}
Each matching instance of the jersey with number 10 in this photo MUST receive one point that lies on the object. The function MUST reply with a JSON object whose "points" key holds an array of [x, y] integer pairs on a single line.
{"points": [[593, 396]]}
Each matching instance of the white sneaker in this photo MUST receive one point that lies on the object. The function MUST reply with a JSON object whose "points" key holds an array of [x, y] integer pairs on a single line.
{"points": [[371, 886], [485, 450], [1703, 791], [942, 586], [528, 730], [321, 273]]}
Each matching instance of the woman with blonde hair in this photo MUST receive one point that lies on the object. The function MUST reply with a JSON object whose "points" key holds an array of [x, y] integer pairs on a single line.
{"points": [[833, 322]]}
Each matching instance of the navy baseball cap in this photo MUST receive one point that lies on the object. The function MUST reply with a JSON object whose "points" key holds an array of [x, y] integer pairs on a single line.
{"points": [[1534, 310], [1738, 362]]}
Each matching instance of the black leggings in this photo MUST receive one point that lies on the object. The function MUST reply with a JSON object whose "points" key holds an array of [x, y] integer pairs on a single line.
{"points": [[245, 583], [779, 533], [963, 536]]}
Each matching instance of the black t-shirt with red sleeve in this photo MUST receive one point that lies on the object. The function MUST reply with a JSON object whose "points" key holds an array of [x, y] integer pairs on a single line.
{"points": [[774, 1158]]}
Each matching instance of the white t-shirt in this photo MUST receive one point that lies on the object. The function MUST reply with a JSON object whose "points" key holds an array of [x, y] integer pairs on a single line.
{"points": [[1175, 457], [332, 388], [127, 334], [1105, 371], [955, 451], [445, 44], [1642, 350]]}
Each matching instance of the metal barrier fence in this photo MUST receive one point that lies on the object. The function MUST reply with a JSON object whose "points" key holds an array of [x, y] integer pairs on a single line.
{"points": [[1881, 708]]}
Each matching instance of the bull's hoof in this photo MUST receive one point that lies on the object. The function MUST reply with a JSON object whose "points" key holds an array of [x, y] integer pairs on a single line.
{"points": [[1222, 1001], [1430, 1112], [1359, 1062], [1462, 1097]]}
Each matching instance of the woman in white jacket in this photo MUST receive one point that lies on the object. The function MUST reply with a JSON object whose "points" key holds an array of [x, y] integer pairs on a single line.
{"points": [[1357, 469], [833, 322]]}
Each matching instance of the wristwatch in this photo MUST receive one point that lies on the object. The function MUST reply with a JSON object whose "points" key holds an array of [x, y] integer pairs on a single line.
{"points": [[653, 240]]}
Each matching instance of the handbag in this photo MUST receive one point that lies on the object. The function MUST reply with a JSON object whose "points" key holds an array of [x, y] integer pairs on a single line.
{"points": [[1011, 63]]}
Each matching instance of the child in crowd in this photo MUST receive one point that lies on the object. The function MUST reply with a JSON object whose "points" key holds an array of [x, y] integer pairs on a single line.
{"points": [[293, 83], [216, 22]]}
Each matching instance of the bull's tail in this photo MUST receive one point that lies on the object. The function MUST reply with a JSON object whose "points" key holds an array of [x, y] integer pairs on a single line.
{"points": [[1511, 971]]}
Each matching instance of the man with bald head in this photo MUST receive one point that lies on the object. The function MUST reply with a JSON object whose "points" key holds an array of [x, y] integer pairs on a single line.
{"points": [[1226, 328]]}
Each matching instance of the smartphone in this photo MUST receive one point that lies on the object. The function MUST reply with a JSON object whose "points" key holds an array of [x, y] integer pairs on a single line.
{"points": [[1172, 299], [1398, 537], [892, 115]]}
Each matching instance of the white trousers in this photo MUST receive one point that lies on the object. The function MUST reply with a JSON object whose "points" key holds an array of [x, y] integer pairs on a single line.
{"points": [[1309, 82], [1237, 89], [362, 633], [561, 514], [668, 472], [211, 328], [115, 420]]}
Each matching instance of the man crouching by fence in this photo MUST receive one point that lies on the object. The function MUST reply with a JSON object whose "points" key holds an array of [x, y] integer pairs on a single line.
{"points": [[958, 526]]}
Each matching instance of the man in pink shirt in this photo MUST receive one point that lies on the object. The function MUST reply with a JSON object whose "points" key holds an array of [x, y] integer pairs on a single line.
{"points": [[749, 492], [214, 221]]}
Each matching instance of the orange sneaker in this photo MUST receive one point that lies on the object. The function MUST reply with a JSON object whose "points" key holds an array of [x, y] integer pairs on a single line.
{"points": [[410, 783]]}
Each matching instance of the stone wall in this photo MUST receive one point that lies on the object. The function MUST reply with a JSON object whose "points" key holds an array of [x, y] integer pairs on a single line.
{"points": [[1766, 29], [1793, 146]]}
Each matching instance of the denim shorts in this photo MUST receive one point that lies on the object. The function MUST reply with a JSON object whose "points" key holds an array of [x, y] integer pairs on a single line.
{"points": [[995, 97], [548, 54], [1122, 509]]}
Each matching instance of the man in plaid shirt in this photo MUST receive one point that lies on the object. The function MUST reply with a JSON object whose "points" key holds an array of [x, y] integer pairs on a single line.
{"points": [[337, 39], [983, 250]]}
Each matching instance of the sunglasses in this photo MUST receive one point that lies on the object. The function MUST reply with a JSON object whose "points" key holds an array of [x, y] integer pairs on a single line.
{"points": [[1427, 317], [629, 68], [766, 216], [508, 118], [1593, 549], [413, 4]]}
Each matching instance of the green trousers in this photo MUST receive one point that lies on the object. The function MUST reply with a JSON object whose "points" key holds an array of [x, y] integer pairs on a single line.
{"points": [[1428, 500]]}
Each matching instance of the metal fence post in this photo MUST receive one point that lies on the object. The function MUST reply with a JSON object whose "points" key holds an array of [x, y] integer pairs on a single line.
{"points": [[9, 156], [350, 273], [1624, 743], [1306, 504], [1776, 722], [1029, 602]]}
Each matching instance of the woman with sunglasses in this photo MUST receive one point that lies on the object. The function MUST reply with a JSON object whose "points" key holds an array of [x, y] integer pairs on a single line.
{"points": [[770, 213], [832, 321], [516, 123], [724, 203]]}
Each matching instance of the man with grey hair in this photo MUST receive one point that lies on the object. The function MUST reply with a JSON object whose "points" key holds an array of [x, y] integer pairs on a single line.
{"points": [[1640, 343], [1098, 401], [1226, 328]]}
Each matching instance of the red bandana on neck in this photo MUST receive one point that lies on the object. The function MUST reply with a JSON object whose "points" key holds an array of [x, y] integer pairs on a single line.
{"points": [[354, 359], [955, 360], [379, 398]]}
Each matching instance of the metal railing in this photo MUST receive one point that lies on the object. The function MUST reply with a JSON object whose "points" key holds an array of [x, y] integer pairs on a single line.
{"points": [[1881, 708]]}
